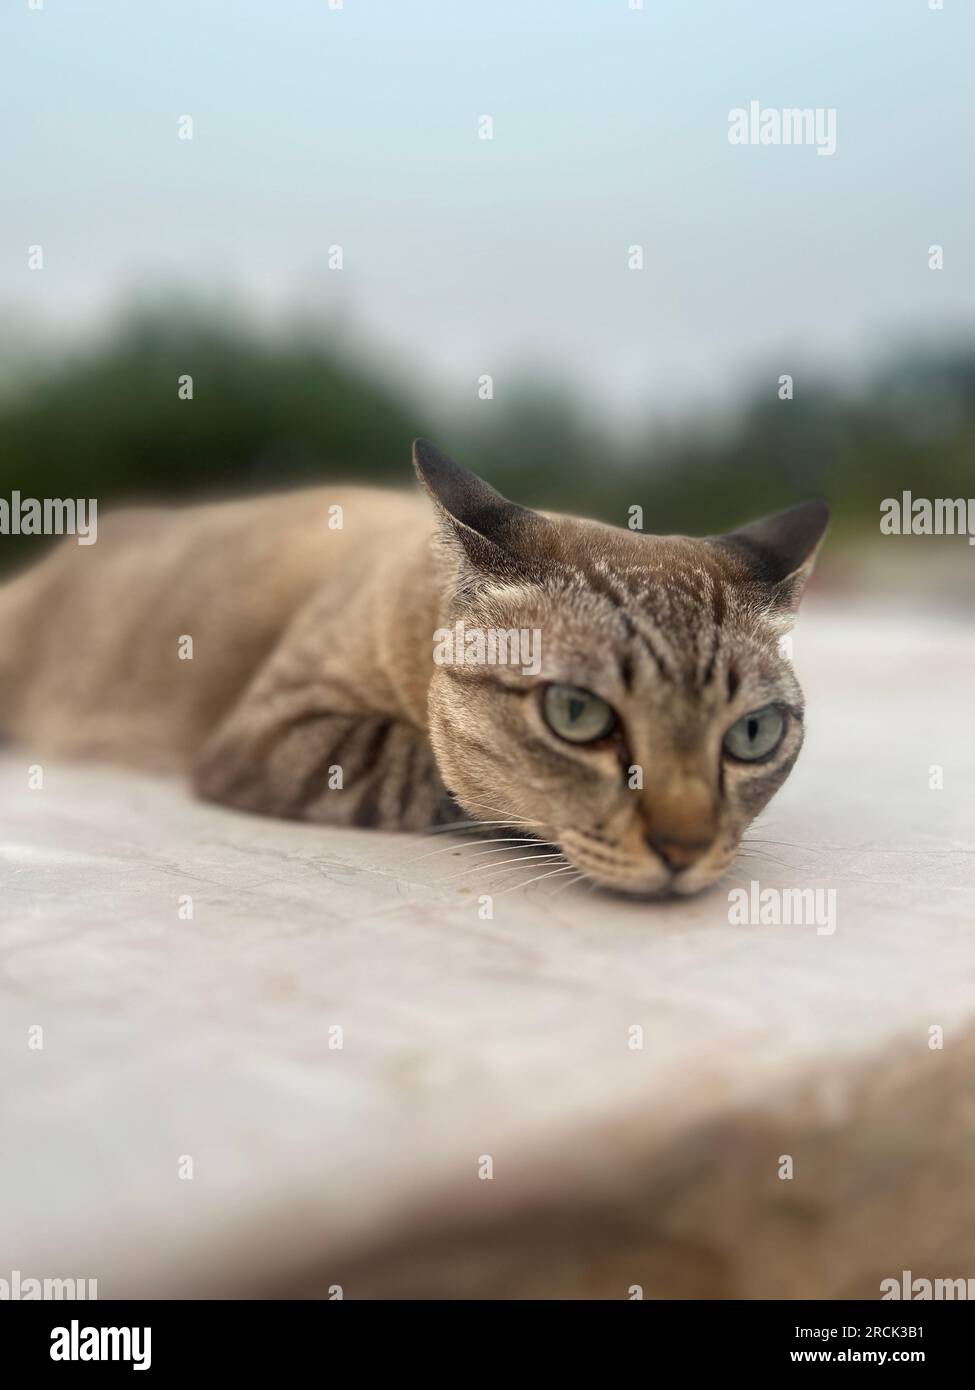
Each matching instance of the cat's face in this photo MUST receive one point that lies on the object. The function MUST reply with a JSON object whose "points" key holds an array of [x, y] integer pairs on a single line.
{"points": [[645, 714]]}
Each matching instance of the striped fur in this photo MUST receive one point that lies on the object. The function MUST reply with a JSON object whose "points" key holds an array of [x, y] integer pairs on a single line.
{"points": [[312, 693]]}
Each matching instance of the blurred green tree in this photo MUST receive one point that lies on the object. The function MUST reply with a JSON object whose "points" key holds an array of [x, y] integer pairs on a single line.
{"points": [[277, 411]]}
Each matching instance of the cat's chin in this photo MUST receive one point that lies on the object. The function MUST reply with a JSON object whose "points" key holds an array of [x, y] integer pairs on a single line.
{"points": [[669, 892], [651, 883], [695, 880], [638, 895], [637, 884]]}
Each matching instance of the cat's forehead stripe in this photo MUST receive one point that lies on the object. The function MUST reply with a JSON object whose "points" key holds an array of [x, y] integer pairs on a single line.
{"points": [[675, 610], [673, 613]]}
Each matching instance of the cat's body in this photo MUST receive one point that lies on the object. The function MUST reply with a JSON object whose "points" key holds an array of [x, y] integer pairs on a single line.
{"points": [[93, 661], [312, 651]]}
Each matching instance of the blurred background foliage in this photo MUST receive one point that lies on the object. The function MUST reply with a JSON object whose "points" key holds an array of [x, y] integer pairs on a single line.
{"points": [[278, 410]]}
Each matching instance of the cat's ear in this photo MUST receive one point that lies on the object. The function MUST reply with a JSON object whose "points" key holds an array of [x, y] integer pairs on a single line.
{"points": [[778, 552], [496, 535]]}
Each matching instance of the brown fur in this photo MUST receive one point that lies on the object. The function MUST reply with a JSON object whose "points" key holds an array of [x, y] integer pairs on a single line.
{"points": [[312, 651]]}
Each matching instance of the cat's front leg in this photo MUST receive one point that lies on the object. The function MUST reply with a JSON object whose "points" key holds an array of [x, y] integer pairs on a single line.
{"points": [[299, 760]]}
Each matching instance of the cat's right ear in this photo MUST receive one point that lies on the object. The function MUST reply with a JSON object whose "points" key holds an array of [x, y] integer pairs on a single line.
{"points": [[778, 552], [496, 535]]}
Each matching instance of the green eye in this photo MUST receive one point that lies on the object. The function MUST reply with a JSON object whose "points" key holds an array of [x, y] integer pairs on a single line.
{"points": [[577, 715], [755, 735]]}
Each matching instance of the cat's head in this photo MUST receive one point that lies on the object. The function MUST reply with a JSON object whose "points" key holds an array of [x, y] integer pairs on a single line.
{"points": [[623, 695]]}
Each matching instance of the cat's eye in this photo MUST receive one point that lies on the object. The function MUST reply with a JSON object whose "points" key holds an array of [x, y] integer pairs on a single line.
{"points": [[576, 714], [756, 735]]}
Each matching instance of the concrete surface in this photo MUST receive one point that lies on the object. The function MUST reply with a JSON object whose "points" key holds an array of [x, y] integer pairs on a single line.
{"points": [[316, 1166]]}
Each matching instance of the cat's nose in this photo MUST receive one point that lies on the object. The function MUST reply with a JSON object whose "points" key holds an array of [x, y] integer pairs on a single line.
{"points": [[677, 854], [680, 816]]}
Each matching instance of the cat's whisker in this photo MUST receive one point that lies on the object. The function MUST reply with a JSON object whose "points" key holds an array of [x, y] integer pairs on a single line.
{"points": [[469, 839], [764, 854], [486, 862], [780, 844], [474, 845], [521, 859], [464, 827], [500, 811], [503, 867], [445, 829], [568, 884], [474, 856], [551, 873], [515, 839], [488, 806]]}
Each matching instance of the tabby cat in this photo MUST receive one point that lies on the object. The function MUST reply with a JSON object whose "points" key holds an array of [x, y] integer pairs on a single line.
{"points": [[659, 720]]}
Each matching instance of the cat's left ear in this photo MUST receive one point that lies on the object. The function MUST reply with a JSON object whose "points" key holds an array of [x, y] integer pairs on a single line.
{"points": [[778, 552], [496, 535]]}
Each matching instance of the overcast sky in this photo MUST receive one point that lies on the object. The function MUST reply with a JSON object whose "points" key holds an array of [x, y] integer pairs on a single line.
{"points": [[358, 126]]}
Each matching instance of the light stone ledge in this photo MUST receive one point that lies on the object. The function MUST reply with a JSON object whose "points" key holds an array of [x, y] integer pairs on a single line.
{"points": [[613, 1167]]}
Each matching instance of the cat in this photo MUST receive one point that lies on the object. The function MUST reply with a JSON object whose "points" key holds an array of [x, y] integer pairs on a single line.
{"points": [[285, 662]]}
